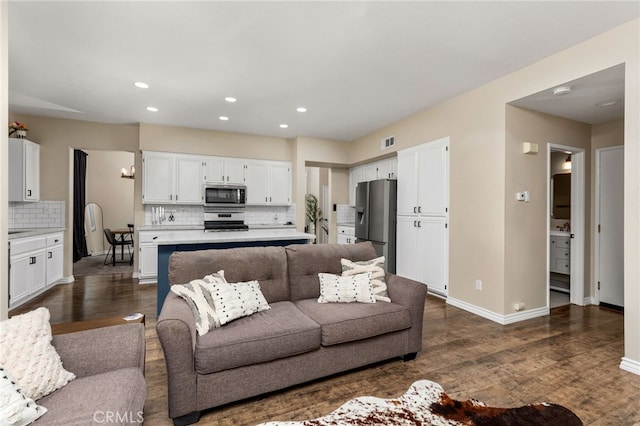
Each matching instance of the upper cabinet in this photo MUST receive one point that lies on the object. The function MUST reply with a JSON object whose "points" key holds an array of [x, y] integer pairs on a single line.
{"points": [[268, 182], [382, 169], [224, 170], [171, 178], [24, 170], [423, 186]]}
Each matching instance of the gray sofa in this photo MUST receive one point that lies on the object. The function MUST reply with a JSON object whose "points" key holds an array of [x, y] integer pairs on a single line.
{"points": [[296, 341], [109, 387]]}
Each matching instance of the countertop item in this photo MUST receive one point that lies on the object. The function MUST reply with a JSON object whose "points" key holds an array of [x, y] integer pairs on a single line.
{"points": [[32, 232], [559, 233]]}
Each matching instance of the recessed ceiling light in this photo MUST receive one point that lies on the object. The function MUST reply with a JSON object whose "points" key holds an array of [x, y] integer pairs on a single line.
{"points": [[562, 90], [230, 99], [284, 126], [141, 85], [223, 118], [301, 109], [152, 109], [606, 104]]}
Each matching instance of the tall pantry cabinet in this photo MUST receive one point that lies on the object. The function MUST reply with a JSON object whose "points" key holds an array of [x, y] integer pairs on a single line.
{"points": [[423, 214]]}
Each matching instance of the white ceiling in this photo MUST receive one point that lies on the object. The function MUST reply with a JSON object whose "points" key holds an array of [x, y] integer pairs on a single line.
{"points": [[356, 66]]}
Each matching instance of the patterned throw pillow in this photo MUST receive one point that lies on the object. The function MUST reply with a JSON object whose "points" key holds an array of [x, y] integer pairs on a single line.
{"points": [[27, 354], [376, 267], [197, 294], [355, 288], [15, 408], [237, 300]]}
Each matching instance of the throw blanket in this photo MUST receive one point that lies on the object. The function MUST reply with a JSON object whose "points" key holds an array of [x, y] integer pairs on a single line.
{"points": [[425, 403]]}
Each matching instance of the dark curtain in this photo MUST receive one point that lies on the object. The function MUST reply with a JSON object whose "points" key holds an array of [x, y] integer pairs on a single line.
{"points": [[79, 187]]}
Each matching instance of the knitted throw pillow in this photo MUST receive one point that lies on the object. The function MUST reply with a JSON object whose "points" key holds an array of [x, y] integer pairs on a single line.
{"points": [[376, 267], [27, 354], [197, 294]]}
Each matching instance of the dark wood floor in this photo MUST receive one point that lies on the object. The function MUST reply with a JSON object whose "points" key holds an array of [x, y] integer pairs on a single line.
{"points": [[570, 357]]}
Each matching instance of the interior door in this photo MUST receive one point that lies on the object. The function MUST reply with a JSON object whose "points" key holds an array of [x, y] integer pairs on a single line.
{"points": [[611, 235]]}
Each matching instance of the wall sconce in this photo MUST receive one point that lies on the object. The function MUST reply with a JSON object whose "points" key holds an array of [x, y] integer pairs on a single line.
{"points": [[567, 163], [128, 174]]}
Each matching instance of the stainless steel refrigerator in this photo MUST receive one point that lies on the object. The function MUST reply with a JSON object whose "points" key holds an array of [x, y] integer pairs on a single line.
{"points": [[376, 218]]}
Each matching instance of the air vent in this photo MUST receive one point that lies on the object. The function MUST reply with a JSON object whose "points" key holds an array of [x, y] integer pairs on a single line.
{"points": [[387, 142]]}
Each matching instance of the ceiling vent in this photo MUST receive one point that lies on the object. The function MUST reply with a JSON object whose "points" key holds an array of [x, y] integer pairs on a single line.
{"points": [[387, 142]]}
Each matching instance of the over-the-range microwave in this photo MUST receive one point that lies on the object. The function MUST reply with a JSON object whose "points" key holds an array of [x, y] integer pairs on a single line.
{"points": [[225, 195]]}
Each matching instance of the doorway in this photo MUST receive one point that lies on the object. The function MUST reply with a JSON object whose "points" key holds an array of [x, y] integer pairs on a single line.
{"points": [[609, 250], [566, 225]]}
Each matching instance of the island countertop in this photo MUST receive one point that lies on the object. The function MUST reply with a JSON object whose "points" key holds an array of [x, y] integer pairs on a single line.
{"points": [[196, 236]]}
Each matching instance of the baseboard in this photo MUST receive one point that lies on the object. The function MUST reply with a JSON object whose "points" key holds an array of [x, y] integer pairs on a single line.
{"points": [[500, 319], [589, 301], [147, 281], [66, 280], [630, 365]]}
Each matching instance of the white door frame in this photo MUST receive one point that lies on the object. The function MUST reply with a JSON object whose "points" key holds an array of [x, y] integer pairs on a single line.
{"points": [[577, 220], [596, 270]]}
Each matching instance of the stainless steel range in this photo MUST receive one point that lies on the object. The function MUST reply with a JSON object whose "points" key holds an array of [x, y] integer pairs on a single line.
{"points": [[224, 219]]}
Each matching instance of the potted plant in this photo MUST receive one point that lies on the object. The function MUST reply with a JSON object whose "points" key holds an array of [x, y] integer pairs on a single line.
{"points": [[314, 215], [18, 130]]}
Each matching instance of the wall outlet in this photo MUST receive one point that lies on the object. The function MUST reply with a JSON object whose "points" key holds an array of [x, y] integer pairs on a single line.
{"points": [[478, 284]]}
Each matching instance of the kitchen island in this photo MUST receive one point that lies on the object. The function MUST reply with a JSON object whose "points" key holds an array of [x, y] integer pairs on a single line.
{"points": [[180, 239]]}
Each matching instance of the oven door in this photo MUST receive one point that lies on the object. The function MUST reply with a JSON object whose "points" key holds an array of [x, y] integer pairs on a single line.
{"points": [[224, 196]]}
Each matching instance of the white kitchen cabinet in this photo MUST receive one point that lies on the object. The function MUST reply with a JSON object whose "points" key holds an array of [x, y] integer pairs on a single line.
{"points": [[346, 235], [55, 253], [188, 188], [148, 262], [382, 169], [422, 236], [157, 177], [387, 169], [268, 183], [24, 170], [28, 268], [171, 178], [423, 184], [224, 170]]}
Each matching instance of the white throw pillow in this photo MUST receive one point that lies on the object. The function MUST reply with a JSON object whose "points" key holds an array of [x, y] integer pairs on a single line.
{"points": [[237, 300], [15, 408], [197, 294], [337, 289], [376, 267], [27, 354]]}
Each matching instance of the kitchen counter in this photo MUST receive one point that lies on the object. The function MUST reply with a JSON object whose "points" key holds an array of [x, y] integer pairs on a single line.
{"points": [[199, 236], [32, 232], [200, 227]]}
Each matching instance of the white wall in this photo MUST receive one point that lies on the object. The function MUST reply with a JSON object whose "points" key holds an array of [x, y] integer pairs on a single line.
{"points": [[4, 176]]}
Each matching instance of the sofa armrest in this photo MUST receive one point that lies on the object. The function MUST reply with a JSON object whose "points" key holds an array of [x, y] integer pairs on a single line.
{"points": [[411, 294], [176, 330], [90, 352]]}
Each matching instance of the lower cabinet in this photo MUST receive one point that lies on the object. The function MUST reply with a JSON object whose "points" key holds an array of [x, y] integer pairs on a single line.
{"points": [[35, 263], [422, 252], [148, 263], [346, 235], [560, 254]]}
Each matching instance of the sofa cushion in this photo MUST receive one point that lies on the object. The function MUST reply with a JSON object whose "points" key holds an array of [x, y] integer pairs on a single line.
{"points": [[197, 294], [305, 261], [348, 322], [277, 333], [268, 265], [237, 300], [15, 408], [376, 267], [89, 400]]}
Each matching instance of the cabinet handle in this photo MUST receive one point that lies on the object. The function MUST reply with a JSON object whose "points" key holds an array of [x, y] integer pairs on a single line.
{"points": [[28, 193], [419, 224], [265, 199], [176, 197], [269, 199], [171, 196], [414, 223], [50, 255], [415, 210], [419, 209], [227, 178], [56, 240]]}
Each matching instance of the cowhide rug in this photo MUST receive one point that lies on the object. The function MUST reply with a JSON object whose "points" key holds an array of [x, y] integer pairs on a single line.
{"points": [[425, 403]]}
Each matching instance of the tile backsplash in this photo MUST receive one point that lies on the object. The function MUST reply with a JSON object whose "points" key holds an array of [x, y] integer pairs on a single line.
{"points": [[42, 214], [194, 215], [346, 213]]}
